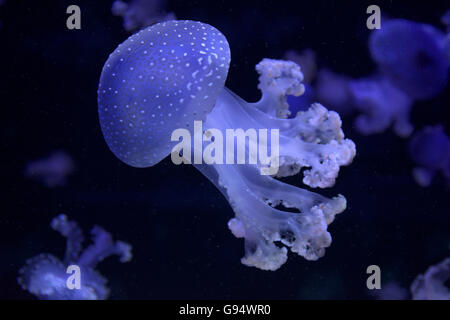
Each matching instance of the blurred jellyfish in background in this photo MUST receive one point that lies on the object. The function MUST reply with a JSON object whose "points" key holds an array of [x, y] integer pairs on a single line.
{"points": [[433, 284], [45, 275], [409, 54], [167, 76], [412, 65], [53, 170], [430, 150], [139, 14], [380, 105]]}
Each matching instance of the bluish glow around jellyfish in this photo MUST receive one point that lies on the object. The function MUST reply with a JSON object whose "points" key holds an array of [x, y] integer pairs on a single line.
{"points": [[45, 276], [411, 55], [183, 66]]}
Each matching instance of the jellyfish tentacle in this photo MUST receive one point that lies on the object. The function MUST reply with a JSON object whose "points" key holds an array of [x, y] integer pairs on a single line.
{"points": [[103, 247], [72, 232]]}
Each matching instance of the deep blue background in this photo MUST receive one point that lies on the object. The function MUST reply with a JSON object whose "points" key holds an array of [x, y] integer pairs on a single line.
{"points": [[174, 218]]}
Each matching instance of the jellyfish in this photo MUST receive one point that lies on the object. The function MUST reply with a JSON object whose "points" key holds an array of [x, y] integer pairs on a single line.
{"points": [[411, 66], [432, 284], [410, 54], [430, 150], [171, 76], [46, 277], [52, 170]]}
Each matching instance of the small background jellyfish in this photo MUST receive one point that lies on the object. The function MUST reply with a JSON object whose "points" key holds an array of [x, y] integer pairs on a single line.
{"points": [[139, 14], [430, 151], [380, 105], [53, 170], [45, 275], [411, 56]]}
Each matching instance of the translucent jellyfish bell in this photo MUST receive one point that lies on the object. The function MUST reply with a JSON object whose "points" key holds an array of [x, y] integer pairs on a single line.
{"points": [[410, 54], [160, 79]]}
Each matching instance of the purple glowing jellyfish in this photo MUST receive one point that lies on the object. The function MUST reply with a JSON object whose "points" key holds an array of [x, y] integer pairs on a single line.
{"points": [[170, 77], [411, 55], [52, 170], [45, 276]]}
